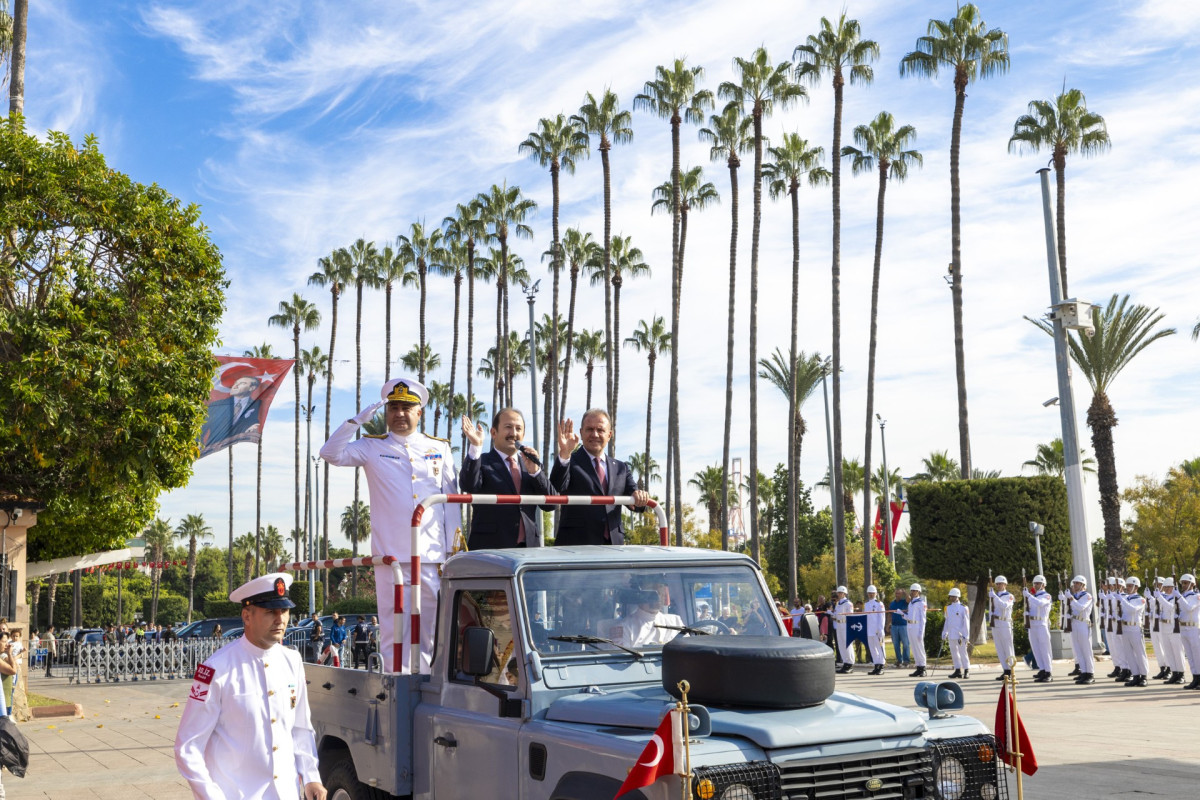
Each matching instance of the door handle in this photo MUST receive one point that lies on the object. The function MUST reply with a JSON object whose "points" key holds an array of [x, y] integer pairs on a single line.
{"points": [[445, 741]]}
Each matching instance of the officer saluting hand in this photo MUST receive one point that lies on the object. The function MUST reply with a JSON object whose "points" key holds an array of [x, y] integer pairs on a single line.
{"points": [[246, 730]]}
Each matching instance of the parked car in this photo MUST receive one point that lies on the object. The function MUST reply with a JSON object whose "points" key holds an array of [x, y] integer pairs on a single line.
{"points": [[204, 628]]}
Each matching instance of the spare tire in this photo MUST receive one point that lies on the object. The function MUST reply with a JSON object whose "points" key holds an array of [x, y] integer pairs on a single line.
{"points": [[760, 671], [809, 627]]}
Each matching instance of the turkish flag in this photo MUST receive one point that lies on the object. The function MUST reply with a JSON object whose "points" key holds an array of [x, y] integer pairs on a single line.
{"points": [[1009, 726], [663, 753]]}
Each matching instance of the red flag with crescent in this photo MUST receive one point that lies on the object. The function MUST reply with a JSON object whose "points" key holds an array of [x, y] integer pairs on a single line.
{"points": [[662, 756], [241, 395]]}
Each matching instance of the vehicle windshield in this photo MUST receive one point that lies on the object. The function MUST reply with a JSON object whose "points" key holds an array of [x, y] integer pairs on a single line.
{"points": [[642, 608]]}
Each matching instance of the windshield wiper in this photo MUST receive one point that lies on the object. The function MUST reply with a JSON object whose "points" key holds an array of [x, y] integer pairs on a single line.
{"points": [[688, 630], [581, 639]]}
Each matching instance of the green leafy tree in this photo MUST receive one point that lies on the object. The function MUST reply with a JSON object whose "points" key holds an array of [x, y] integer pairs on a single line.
{"points": [[392, 268], [712, 487], [462, 231], [647, 471], [965, 46], [939, 467], [158, 538], [1062, 125], [110, 297], [1121, 332], [192, 529], [1165, 527], [424, 250], [415, 357], [313, 365]]}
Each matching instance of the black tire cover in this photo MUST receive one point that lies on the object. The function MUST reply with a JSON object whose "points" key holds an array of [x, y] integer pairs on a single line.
{"points": [[760, 671], [810, 626]]}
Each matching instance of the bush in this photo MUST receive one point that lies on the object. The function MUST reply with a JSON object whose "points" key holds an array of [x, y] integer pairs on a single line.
{"points": [[934, 621], [354, 605], [299, 594], [217, 604], [171, 608]]}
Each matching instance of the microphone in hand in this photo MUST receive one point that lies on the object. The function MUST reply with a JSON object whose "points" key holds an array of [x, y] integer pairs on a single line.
{"points": [[529, 453]]}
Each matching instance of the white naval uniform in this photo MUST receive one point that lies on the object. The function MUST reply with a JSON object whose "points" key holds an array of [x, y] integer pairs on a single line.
{"points": [[1189, 632], [1132, 607], [957, 632], [1001, 611], [1171, 642], [641, 628], [246, 730], [1116, 642], [841, 611], [1152, 616], [402, 471], [916, 629], [1038, 606], [1081, 633], [875, 611]]}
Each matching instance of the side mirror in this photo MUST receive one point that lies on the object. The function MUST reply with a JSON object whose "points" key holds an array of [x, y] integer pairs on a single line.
{"points": [[938, 698], [478, 647]]}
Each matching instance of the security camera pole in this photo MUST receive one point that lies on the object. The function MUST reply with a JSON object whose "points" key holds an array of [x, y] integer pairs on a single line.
{"points": [[1081, 551]]}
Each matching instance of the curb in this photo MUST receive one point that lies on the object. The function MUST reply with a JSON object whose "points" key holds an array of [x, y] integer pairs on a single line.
{"points": [[64, 710]]}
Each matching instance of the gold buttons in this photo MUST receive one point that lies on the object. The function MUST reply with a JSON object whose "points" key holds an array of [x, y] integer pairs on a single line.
{"points": [[271, 692], [272, 719], [273, 749]]}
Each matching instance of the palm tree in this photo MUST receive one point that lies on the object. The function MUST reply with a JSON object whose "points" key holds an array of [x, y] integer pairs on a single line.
{"points": [[505, 209], [837, 50], [297, 314], [246, 544], [797, 385], [356, 526], [556, 144], [762, 87], [646, 474], [313, 364], [673, 96], [439, 398], [611, 125], [578, 250], [547, 335], [764, 489], [260, 351], [852, 484], [882, 147], [790, 163], [939, 467], [463, 230], [422, 250], [1122, 331], [516, 350], [272, 547], [335, 271], [729, 135], [1062, 125], [650, 338], [1051, 460], [711, 486], [416, 356], [626, 262], [589, 345], [192, 528], [158, 538], [965, 44], [392, 268]]}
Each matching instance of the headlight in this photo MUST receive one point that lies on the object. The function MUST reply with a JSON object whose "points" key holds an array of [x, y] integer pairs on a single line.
{"points": [[754, 780], [737, 791], [951, 778]]}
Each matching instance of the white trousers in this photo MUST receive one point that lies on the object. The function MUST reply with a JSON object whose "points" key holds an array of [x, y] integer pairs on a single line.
{"points": [[1157, 643], [1081, 643], [1172, 648], [431, 583], [1002, 636], [958, 652], [844, 647], [916, 641], [1135, 650], [875, 643], [1191, 646], [1039, 640], [1116, 648]]}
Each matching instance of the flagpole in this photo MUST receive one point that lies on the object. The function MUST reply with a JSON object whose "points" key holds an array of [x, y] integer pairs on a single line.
{"points": [[685, 784], [1014, 742]]}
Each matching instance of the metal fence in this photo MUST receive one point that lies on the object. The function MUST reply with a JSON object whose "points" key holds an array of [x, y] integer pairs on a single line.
{"points": [[135, 660]]}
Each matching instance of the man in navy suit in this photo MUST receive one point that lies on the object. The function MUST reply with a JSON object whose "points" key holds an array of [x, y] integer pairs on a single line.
{"points": [[505, 469], [588, 471]]}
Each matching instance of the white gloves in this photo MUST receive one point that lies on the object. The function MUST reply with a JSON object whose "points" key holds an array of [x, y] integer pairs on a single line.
{"points": [[366, 414]]}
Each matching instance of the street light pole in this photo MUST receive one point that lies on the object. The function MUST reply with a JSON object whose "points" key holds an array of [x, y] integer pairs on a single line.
{"points": [[838, 547], [887, 494], [531, 293], [1081, 550]]}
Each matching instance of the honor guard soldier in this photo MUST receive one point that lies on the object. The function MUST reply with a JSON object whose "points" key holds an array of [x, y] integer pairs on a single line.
{"points": [[246, 730], [875, 611], [956, 631], [403, 467], [1169, 631], [1080, 603], [1116, 645], [842, 609], [1037, 604], [916, 628], [1189, 625], [1153, 624], [1132, 606], [1001, 605]]}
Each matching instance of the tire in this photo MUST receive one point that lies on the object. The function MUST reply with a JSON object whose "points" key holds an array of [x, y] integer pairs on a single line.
{"points": [[343, 784], [757, 671]]}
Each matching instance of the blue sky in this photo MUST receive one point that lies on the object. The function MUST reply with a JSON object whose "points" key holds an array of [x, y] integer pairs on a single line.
{"points": [[301, 127]]}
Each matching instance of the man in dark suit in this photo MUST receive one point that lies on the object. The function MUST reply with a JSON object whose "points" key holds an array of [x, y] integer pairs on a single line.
{"points": [[588, 471], [505, 469]]}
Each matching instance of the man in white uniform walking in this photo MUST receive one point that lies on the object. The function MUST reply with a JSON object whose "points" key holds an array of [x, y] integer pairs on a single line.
{"points": [[956, 633], [1037, 605], [1001, 605], [916, 628], [875, 611]]}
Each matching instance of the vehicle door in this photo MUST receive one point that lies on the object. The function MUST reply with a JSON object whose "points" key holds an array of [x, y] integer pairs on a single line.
{"points": [[475, 747]]}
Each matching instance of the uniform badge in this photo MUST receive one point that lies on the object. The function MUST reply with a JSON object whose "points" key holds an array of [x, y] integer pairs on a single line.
{"points": [[200, 683]]}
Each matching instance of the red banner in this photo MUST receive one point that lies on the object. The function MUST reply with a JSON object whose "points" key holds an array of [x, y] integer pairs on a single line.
{"points": [[241, 395], [881, 542]]}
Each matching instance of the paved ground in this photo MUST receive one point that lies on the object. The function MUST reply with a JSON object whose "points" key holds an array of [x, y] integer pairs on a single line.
{"points": [[1091, 742]]}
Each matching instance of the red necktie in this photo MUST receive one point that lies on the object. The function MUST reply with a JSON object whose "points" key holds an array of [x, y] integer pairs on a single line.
{"points": [[515, 470], [601, 474]]}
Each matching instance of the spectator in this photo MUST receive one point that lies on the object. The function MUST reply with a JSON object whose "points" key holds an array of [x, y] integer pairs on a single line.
{"points": [[898, 628], [337, 633], [8, 666], [361, 642], [217, 633], [51, 650]]}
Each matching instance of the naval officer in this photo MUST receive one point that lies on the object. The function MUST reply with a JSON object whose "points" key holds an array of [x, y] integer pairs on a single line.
{"points": [[403, 466], [246, 730], [1000, 600]]}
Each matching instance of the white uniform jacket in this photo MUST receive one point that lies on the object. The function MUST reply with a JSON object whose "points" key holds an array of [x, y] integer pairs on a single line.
{"points": [[402, 471], [958, 622], [1189, 608], [641, 628], [842, 609], [1081, 608], [1001, 606], [246, 732], [875, 611], [1039, 607], [916, 617], [1132, 607]]}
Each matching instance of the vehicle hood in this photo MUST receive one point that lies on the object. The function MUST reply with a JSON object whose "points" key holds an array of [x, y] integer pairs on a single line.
{"points": [[842, 717]]}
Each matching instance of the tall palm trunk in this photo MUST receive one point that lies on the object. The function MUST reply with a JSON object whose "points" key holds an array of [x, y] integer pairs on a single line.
{"points": [[258, 512], [358, 287], [616, 358], [16, 86], [883, 170], [498, 367], [591, 365], [609, 344], [458, 278], [793, 470], [229, 559], [673, 477], [956, 293], [733, 235], [328, 399], [470, 328], [192, 576], [562, 405], [1060, 180], [754, 236], [422, 268], [839, 507], [1102, 419], [387, 332], [51, 591], [556, 266], [652, 357]]}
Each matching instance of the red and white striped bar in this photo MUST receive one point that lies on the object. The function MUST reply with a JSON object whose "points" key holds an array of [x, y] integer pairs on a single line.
{"points": [[499, 500], [367, 561]]}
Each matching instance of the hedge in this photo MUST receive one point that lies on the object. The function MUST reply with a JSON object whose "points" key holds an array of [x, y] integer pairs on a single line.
{"points": [[171, 608]]}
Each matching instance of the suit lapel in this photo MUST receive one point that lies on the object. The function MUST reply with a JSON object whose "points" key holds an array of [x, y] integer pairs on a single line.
{"points": [[502, 465]]}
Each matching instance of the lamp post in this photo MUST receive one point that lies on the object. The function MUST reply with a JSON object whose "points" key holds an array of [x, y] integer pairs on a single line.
{"points": [[887, 494], [531, 293], [839, 555], [312, 537]]}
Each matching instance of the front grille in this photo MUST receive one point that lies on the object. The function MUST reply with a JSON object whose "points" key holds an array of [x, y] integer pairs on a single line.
{"points": [[970, 768], [895, 775], [755, 780]]}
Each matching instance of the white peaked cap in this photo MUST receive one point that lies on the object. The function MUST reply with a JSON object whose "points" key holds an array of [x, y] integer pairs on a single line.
{"points": [[1168, 581], [1080, 579], [1001, 579], [916, 587], [871, 589], [840, 590], [1112, 581], [955, 592], [1039, 579], [1133, 580]]}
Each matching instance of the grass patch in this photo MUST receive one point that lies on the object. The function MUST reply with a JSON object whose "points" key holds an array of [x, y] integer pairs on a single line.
{"points": [[38, 700]]}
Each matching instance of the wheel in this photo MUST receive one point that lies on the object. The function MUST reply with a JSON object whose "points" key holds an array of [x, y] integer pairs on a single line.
{"points": [[756, 671], [342, 782], [713, 626]]}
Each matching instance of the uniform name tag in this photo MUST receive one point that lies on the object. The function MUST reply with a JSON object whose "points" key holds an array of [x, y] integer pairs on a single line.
{"points": [[204, 674]]}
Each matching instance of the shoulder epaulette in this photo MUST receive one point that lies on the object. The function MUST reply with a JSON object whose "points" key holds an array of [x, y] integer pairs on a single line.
{"points": [[437, 438], [375, 436]]}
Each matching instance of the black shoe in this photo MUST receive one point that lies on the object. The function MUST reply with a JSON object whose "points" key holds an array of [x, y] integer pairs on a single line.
{"points": [[1085, 678], [1176, 679], [1124, 676], [1137, 680], [1115, 673], [1073, 673], [1163, 674], [1195, 684], [877, 671], [966, 674], [919, 672], [1003, 675], [1043, 677], [956, 674], [845, 668]]}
